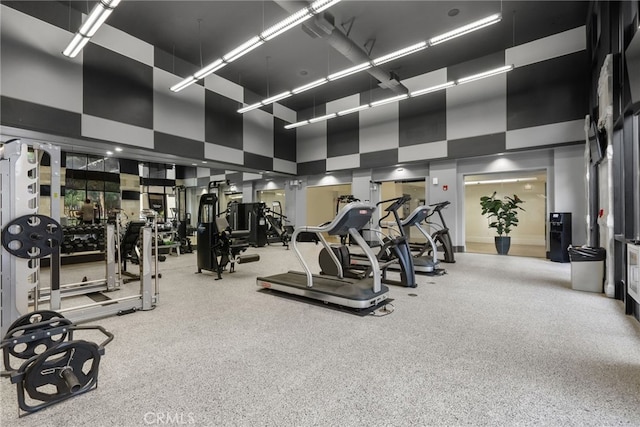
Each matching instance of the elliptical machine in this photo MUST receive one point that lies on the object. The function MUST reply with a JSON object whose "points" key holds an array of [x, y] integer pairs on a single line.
{"points": [[393, 251], [441, 234]]}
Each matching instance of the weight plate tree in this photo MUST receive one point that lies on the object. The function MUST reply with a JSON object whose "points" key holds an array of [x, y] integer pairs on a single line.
{"points": [[51, 365]]}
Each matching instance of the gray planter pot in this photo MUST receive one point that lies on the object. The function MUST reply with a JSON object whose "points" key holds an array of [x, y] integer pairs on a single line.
{"points": [[503, 243]]}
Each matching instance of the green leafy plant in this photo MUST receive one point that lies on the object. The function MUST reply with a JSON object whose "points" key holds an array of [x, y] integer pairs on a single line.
{"points": [[503, 213]]}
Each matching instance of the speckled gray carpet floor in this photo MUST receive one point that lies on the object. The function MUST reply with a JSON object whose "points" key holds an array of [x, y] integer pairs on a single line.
{"points": [[499, 340]]}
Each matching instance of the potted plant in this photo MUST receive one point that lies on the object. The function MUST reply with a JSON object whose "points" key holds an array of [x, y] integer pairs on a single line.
{"points": [[503, 214]]}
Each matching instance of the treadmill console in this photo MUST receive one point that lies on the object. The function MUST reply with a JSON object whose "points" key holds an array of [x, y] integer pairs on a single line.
{"points": [[356, 217]]}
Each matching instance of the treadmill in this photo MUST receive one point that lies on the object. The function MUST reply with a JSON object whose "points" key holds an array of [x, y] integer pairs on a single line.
{"points": [[422, 263], [357, 294]]}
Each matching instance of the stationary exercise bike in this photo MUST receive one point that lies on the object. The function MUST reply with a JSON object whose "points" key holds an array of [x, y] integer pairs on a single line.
{"points": [[441, 234]]}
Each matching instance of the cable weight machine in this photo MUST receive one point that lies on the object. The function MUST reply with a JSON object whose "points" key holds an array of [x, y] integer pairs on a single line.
{"points": [[217, 244]]}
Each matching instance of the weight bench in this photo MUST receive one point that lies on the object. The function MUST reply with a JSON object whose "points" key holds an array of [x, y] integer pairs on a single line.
{"points": [[128, 246]]}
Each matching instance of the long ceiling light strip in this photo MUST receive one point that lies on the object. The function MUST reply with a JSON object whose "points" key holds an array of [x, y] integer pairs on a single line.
{"points": [[489, 20], [96, 18], [484, 22], [256, 41], [399, 98]]}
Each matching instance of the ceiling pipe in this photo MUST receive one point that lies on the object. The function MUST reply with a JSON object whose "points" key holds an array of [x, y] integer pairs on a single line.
{"points": [[323, 27]]}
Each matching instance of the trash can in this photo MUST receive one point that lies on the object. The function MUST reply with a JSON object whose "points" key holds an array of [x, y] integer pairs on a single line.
{"points": [[587, 268]]}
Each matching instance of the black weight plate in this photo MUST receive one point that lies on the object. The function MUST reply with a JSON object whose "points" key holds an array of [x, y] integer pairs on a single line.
{"points": [[32, 236], [35, 324], [82, 357]]}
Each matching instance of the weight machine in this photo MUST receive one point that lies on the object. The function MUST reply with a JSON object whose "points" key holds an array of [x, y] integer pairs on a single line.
{"points": [[219, 245], [182, 219], [277, 230], [27, 237]]}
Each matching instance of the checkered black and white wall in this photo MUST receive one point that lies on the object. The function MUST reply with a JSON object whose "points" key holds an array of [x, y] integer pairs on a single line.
{"points": [[541, 103], [117, 90]]}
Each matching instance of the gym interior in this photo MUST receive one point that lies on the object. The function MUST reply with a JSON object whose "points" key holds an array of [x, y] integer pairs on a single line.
{"points": [[299, 213]]}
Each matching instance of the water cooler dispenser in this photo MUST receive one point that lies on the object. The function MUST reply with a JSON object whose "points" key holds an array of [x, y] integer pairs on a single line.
{"points": [[559, 236]]}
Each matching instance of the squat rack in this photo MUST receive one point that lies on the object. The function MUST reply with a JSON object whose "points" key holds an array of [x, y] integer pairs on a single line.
{"points": [[20, 277]]}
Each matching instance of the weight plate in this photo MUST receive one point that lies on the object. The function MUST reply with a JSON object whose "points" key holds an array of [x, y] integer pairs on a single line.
{"points": [[39, 325], [81, 357], [32, 236]]}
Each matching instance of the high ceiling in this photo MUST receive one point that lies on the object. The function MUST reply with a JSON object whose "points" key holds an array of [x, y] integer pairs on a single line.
{"points": [[202, 31]]}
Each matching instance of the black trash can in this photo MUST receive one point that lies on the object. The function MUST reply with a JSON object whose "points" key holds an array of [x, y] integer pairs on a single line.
{"points": [[587, 268]]}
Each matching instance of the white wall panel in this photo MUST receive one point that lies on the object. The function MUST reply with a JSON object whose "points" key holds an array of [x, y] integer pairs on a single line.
{"points": [[343, 103], [257, 131], [224, 87], [548, 47], [312, 142], [285, 166], [426, 80], [379, 128], [125, 44], [555, 133], [477, 108], [223, 154], [109, 130], [431, 150], [177, 113], [284, 113], [343, 162], [33, 68]]}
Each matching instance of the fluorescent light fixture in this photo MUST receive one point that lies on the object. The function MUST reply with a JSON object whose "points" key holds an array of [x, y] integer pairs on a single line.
{"points": [[92, 29], [402, 97], [322, 118], [277, 97], [295, 125], [250, 107], [308, 86], [400, 53], [389, 100], [485, 74], [251, 44], [349, 71], [184, 83], [109, 153], [417, 47], [118, 149], [75, 46], [489, 20], [286, 24], [501, 181], [211, 68], [353, 110], [96, 18], [244, 48], [432, 89], [320, 5]]}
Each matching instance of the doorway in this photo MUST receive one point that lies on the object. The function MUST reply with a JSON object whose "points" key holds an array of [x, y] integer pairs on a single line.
{"points": [[273, 199], [322, 202], [529, 238], [415, 189]]}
